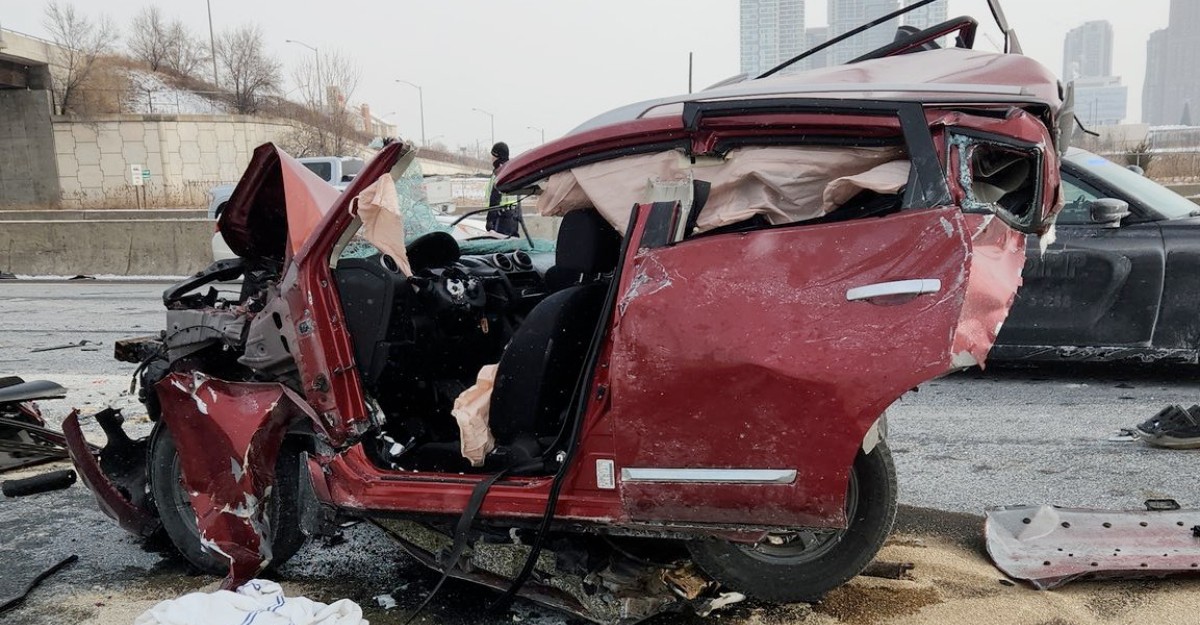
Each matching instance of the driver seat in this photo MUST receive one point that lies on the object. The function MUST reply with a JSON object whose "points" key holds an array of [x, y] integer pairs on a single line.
{"points": [[538, 369]]}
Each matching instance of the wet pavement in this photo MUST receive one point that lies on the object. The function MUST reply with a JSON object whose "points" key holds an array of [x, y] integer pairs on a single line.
{"points": [[1001, 437]]}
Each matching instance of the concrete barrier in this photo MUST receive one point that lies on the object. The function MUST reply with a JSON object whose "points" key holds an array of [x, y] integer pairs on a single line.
{"points": [[107, 214], [128, 247], [105, 247]]}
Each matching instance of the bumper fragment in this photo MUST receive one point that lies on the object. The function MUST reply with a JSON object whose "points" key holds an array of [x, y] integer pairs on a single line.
{"points": [[116, 475]]}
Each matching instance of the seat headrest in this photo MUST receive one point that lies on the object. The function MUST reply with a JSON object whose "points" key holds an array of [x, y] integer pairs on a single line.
{"points": [[587, 243]]}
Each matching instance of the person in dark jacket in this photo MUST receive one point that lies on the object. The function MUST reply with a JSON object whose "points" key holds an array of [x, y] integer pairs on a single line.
{"points": [[504, 220]]}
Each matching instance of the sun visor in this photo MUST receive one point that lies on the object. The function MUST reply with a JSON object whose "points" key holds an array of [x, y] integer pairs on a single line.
{"points": [[275, 207]]}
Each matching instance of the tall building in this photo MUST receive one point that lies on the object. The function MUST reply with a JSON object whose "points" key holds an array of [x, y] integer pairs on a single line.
{"points": [[1101, 101], [1172, 73], [846, 15], [1155, 87], [1088, 51], [814, 37], [772, 31], [928, 15], [1100, 98]]}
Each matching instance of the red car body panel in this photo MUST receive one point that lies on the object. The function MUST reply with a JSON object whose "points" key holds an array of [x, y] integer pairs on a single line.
{"points": [[760, 361], [228, 435]]}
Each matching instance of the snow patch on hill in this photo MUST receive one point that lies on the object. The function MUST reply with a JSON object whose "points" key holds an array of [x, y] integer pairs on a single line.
{"points": [[151, 94]]}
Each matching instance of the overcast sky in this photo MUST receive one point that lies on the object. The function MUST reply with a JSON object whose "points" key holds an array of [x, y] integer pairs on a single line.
{"points": [[553, 64]]}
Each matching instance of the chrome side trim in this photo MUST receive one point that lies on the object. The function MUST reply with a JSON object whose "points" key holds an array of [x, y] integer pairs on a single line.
{"points": [[710, 476]]}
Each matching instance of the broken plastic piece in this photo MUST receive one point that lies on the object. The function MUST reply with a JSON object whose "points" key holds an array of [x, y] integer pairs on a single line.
{"points": [[16, 601], [1050, 546]]}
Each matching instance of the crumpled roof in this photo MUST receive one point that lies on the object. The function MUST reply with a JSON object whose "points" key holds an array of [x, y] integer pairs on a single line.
{"points": [[946, 75]]}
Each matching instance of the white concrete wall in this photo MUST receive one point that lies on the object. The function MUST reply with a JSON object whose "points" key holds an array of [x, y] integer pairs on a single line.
{"points": [[186, 155]]}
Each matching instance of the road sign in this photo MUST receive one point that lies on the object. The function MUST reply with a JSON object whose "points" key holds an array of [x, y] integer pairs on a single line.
{"points": [[146, 175], [136, 175]]}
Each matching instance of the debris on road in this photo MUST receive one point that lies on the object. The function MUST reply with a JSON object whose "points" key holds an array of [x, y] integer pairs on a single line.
{"points": [[24, 438], [1050, 546], [889, 570], [254, 599], [52, 348], [54, 480], [19, 599], [1172, 428]]}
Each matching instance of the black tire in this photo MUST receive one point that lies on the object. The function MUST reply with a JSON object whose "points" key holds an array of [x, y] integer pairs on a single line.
{"points": [[798, 571], [179, 520]]}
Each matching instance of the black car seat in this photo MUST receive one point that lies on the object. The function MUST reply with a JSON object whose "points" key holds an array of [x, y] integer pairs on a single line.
{"points": [[543, 360]]}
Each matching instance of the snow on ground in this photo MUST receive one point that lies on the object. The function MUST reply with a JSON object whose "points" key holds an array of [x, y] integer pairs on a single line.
{"points": [[151, 94]]}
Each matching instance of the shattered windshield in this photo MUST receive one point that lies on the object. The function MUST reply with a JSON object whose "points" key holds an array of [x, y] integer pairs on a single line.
{"points": [[419, 219]]}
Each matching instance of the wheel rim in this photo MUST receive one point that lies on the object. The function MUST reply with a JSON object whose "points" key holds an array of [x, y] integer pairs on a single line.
{"points": [[181, 502], [806, 545]]}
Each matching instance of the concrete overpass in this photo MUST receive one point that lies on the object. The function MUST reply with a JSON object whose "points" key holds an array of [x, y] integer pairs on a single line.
{"points": [[24, 61], [28, 167]]}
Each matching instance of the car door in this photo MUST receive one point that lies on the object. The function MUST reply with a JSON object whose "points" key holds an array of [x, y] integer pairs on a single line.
{"points": [[1093, 286], [746, 369]]}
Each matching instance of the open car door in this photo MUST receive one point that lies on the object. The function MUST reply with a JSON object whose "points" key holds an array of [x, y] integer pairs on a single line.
{"points": [[749, 368]]}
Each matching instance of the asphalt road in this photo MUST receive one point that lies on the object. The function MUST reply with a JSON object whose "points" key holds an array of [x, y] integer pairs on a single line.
{"points": [[1001, 437]]}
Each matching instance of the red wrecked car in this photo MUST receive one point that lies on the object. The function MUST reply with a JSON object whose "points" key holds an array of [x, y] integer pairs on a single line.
{"points": [[683, 402]]}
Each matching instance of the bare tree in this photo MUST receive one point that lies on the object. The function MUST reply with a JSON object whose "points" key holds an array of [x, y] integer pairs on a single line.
{"points": [[325, 91], [186, 53], [149, 37], [80, 41], [247, 70], [337, 73]]}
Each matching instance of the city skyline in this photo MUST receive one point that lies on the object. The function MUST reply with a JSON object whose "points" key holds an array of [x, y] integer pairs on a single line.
{"points": [[1100, 98], [770, 32], [1172, 89], [566, 68], [1088, 50]]}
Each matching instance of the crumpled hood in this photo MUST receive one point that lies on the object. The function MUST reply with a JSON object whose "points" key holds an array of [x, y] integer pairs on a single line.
{"points": [[275, 207]]}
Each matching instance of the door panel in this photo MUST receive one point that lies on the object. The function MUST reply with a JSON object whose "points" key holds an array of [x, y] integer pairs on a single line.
{"points": [[743, 353], [1093, 286]]}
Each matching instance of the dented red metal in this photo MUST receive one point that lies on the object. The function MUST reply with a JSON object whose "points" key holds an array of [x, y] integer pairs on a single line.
{"points": [[228, 436]]}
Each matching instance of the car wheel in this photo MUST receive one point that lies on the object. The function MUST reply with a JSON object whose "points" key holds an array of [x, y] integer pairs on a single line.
{"points": [[804, 565], [179, 520]]}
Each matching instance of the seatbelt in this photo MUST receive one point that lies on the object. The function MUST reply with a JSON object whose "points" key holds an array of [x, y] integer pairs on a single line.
{"points": [[462, 529]]}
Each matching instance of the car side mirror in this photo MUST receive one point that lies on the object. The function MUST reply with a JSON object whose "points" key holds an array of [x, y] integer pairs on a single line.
{"points": [[1109, 212], [1136, 169]]}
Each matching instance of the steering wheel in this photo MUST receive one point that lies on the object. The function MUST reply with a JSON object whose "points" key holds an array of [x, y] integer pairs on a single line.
{"points": [[453, 289]]}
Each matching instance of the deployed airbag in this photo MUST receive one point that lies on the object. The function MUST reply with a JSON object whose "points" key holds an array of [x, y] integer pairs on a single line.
{"points": [[784, 184]]}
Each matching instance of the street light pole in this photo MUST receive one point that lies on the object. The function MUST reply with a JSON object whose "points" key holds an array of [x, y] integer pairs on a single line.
{"points": [[539, 130], [493, 119], [320, 86], [421, 101], [212, 43]]}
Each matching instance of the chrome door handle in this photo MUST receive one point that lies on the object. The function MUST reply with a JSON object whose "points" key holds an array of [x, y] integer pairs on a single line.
{"points": [[900, 287]]}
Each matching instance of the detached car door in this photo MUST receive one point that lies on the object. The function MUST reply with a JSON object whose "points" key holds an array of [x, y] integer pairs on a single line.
{"points": [[747, 368], [1093, 287]]}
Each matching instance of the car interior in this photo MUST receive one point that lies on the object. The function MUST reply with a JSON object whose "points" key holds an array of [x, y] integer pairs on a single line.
{"points": [[420, 341]]}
